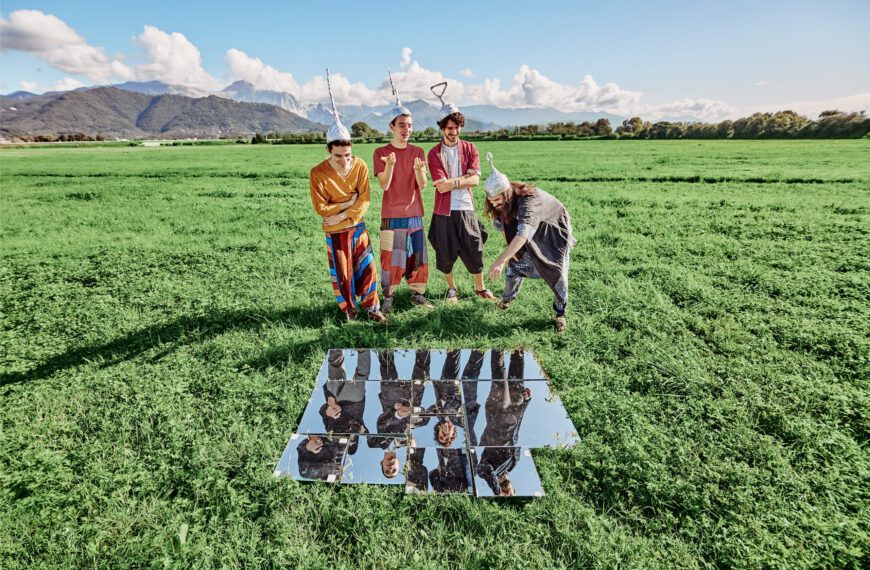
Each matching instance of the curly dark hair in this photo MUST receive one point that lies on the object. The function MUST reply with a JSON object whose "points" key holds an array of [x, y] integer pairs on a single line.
{"points": [[329, 145], [456, 117]]}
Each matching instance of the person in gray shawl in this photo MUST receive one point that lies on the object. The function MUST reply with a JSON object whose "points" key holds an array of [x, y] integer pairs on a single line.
{"points": [[538, 232]]}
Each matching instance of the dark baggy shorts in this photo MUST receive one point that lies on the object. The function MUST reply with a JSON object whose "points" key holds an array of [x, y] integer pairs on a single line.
{"points": [[458, 235]]}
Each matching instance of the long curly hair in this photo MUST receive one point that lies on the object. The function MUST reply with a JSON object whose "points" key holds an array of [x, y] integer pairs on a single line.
{"points": [[508, 211]]}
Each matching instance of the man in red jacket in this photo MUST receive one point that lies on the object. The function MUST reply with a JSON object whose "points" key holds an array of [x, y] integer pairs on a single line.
{"points": [[455, 230]]}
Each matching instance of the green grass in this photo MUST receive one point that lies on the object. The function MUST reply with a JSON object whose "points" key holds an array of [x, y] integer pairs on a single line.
{"points": [[165, 310]]}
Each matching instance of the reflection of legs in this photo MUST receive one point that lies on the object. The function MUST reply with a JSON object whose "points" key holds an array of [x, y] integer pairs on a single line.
{"points": [[451, 365], [422, 358], [387, 358], [363, 364], [335, 367]]}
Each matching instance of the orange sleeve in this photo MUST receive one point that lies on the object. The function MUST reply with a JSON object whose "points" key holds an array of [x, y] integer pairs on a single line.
{"points": [[364, 191], [320, 199]]}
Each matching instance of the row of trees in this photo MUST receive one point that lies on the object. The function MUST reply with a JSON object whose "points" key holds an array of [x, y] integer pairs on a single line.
{"points": [[780, 125], [63, 137]]}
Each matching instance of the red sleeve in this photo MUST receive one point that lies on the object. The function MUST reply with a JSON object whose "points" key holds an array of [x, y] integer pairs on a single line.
{"points": [[377, 162], [436, 168], [473, 160]]}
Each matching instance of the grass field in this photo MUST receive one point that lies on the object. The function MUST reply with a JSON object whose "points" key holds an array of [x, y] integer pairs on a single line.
{"points": [[165, 311]]}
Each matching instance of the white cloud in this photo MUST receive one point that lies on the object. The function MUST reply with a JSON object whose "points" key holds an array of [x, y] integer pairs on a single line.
{"points": [[253, 70], [346, 93], [466, 72], [531, 88], [406, 57], [858, 102], [761, 83], [66, 84], [173, 59], [28, 85], [689, 109], [53, 41]]}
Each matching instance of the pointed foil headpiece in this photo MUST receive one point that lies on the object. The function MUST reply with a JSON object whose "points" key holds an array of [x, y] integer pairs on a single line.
{"points": [[337, 131], [446, 108], [497, 181], [399, 109]]}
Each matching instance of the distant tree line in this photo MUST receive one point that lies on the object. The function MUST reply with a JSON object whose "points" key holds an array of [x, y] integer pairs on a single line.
{"points": [[780, 125], [63, 137]]}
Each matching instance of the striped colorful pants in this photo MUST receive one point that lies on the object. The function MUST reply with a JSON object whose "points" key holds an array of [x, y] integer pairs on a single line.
{"points": [[352, 268]]}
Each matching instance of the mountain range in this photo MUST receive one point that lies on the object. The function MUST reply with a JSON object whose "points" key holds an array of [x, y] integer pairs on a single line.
{"points": [[120, 113], [156, 109]]}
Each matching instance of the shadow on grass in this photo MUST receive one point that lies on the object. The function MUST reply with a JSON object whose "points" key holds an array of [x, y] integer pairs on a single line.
{"points": [[182, 331], [447, 325]]}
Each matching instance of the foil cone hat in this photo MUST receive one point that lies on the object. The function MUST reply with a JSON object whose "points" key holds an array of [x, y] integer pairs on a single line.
{"points": [[337, 131], [497, 181], [399, 109]]}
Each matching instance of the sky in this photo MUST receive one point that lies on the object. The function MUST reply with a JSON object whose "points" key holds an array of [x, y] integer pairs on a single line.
{"points": [[710, 60]]}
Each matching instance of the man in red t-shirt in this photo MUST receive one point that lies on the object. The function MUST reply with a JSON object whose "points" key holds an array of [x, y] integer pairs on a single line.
{"points": [[401, 172]]}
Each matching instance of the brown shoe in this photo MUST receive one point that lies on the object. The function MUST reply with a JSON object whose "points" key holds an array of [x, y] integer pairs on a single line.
{"points": [[561, 324], [486, 294], [504, 304], [421, 301], [351, 314], [377, 316], [452, 296]]}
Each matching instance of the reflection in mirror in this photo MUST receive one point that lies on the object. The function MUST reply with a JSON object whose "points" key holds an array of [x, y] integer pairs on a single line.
{"points": [[313, 457], [447, 470], [525, 414], [441, 397], [444, 430], [505, 472], [380, 460]]}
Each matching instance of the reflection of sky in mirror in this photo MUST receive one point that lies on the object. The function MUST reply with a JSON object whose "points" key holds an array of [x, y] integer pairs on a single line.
{"points": [[361, 407], [423, 431], [372, 459], [507, 418], [441, 397], [438, 471], [323, 464], [494, 467], [421, 364]]}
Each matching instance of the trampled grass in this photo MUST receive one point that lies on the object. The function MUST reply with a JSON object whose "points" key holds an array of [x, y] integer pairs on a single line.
{"points": [[165, 311]]}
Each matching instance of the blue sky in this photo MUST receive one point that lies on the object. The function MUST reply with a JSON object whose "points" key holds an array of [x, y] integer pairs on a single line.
{"points": [[710, 58]]}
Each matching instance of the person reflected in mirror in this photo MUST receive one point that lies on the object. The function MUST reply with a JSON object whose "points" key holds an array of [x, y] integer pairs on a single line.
{"points": [[319, 457], [452, 473]]}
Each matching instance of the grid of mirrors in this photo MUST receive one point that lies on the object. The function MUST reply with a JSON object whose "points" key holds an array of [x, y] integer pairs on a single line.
{"points": [[433, 421]]}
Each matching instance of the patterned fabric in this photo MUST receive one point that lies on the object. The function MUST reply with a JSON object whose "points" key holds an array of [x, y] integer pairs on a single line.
{"points": [[351, 266], [403, 254], [519, 269]]}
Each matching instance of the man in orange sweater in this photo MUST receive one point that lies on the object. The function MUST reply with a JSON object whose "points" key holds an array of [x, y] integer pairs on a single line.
{"points": [[340, 194]]}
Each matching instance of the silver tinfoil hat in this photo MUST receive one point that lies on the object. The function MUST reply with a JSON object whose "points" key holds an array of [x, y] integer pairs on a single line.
{"points": [[446, 108], [399, 109], [337, 131], [497, 181]]}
